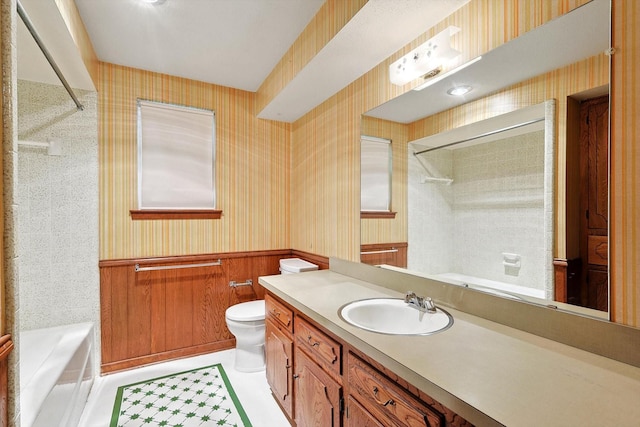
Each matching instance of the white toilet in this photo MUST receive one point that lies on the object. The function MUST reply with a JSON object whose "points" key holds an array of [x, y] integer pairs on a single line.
{"points": [[246, 322]]}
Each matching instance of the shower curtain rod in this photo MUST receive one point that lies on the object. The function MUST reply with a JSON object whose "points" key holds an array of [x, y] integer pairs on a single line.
{"points": [[492, 132], [38, 40]]}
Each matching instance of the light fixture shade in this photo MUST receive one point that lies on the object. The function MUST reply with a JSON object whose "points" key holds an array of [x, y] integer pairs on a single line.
{"points": [[430, 55], [459, 90]]}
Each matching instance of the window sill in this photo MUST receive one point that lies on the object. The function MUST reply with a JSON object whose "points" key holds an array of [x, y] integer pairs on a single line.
{"points": [[376, 214], [138, 214]]}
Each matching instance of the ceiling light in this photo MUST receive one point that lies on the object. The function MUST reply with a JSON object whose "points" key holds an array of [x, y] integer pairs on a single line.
{"points": [[430, 55], [439, 77], [459, 90]]}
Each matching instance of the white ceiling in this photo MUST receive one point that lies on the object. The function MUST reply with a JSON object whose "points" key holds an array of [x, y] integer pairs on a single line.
{"points": [[234, 43]]}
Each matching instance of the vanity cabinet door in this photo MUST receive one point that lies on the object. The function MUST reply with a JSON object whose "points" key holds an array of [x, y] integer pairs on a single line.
{"points": [[357, 416], [279, 363], [318, 395]]}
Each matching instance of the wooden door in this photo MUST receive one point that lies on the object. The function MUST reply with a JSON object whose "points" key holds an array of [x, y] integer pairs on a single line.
{"points": [[594, 201], [317, 395], [279, 363]]}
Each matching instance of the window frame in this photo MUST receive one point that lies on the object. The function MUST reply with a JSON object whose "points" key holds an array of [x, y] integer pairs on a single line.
{"points": [[378, 213], [155, 212]]}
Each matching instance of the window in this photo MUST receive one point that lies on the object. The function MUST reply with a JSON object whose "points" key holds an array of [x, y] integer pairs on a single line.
{"points": [[176, 162], [375, 179]]}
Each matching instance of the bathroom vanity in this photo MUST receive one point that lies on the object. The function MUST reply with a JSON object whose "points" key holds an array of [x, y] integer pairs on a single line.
{"points": [[477, 372]]}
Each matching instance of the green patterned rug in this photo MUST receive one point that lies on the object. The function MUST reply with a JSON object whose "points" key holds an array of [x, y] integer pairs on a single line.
{"points": [[201, 397]]}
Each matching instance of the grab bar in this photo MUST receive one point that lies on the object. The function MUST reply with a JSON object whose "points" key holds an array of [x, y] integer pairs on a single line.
{"points": [[384, 251], [235, 284], [170, 267]]}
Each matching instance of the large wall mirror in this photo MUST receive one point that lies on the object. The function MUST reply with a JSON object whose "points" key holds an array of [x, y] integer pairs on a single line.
{"points": [[512, 197]]}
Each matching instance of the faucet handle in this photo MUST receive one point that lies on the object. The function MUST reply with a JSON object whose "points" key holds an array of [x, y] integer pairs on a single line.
{"points": [[409, 296], [429, 305]]}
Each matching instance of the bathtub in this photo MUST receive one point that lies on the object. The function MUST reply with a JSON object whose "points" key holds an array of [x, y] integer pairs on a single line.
{"points": [[56, 374], [490, 286], [485, 285]]}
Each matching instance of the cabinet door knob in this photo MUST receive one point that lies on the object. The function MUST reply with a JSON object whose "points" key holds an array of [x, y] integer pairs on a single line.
{"points": [[296, 376]]}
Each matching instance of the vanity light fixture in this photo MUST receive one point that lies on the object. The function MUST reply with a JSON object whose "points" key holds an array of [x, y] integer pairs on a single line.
{"points": [[154, 2], [430, 55], [459, 90], [429, 81]]}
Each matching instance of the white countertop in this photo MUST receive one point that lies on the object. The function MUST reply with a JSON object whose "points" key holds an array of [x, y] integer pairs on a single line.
{"points": [[484, 371]]}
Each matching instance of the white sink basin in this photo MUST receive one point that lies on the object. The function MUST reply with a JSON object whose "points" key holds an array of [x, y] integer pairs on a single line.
{"points": [[394, 317]]}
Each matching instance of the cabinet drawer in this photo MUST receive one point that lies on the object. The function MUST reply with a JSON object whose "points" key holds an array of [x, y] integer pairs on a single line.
{"points": [[279, 312], [319, 345], [384, 399]]}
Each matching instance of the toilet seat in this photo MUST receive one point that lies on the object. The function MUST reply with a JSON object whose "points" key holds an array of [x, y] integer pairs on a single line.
{"points": [[246, 311]]}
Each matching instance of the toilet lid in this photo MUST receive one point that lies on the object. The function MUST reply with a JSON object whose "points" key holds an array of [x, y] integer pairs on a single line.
{"points": [[246, 311]]}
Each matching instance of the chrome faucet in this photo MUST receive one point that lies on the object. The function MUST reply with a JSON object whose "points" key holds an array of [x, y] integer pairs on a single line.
{"points": [[424, 304]]}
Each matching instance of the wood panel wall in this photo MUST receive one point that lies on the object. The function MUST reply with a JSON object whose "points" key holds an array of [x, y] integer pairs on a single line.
{"points": [[392, 253], [252, 170], [6, 347], [149, 316]]}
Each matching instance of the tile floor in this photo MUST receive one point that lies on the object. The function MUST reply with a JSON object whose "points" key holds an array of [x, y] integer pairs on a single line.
{"points": [[252, 390]]}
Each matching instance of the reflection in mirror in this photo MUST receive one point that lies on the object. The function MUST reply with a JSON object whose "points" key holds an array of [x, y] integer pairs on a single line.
{"points": [[480, 207], [538, 197]]}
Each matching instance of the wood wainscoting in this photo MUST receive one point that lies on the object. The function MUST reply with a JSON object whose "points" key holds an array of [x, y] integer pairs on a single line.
{"points": [[154, 314], [567, 280], [6, 346], [384, 253]]}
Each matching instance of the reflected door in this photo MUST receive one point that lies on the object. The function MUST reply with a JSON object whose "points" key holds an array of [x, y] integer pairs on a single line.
{"points": [[594, 201]]}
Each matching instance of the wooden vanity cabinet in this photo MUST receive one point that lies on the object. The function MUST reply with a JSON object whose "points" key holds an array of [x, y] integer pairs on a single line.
{"points": [[333, 384], [317, 395], [279, 353], [317, 383]]}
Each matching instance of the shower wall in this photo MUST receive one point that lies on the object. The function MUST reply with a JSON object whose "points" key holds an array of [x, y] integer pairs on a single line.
{"points": [[58, 208], [495, 205]]}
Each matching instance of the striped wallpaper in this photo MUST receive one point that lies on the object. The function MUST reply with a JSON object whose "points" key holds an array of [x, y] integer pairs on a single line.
{"points": [[304, 178], [252, 170], [624, 218], [332, 128], [329, 19]]}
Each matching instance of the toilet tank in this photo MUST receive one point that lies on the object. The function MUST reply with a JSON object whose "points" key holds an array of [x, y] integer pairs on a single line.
{"points": [[295, 265]]}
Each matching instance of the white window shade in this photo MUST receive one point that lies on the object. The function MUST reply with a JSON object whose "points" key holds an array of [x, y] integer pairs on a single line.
{"points": [[176, 157], [375, 179]]}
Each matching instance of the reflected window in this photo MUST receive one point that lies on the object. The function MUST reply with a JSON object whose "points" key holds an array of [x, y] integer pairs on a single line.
{"points": [[375, 179]]}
